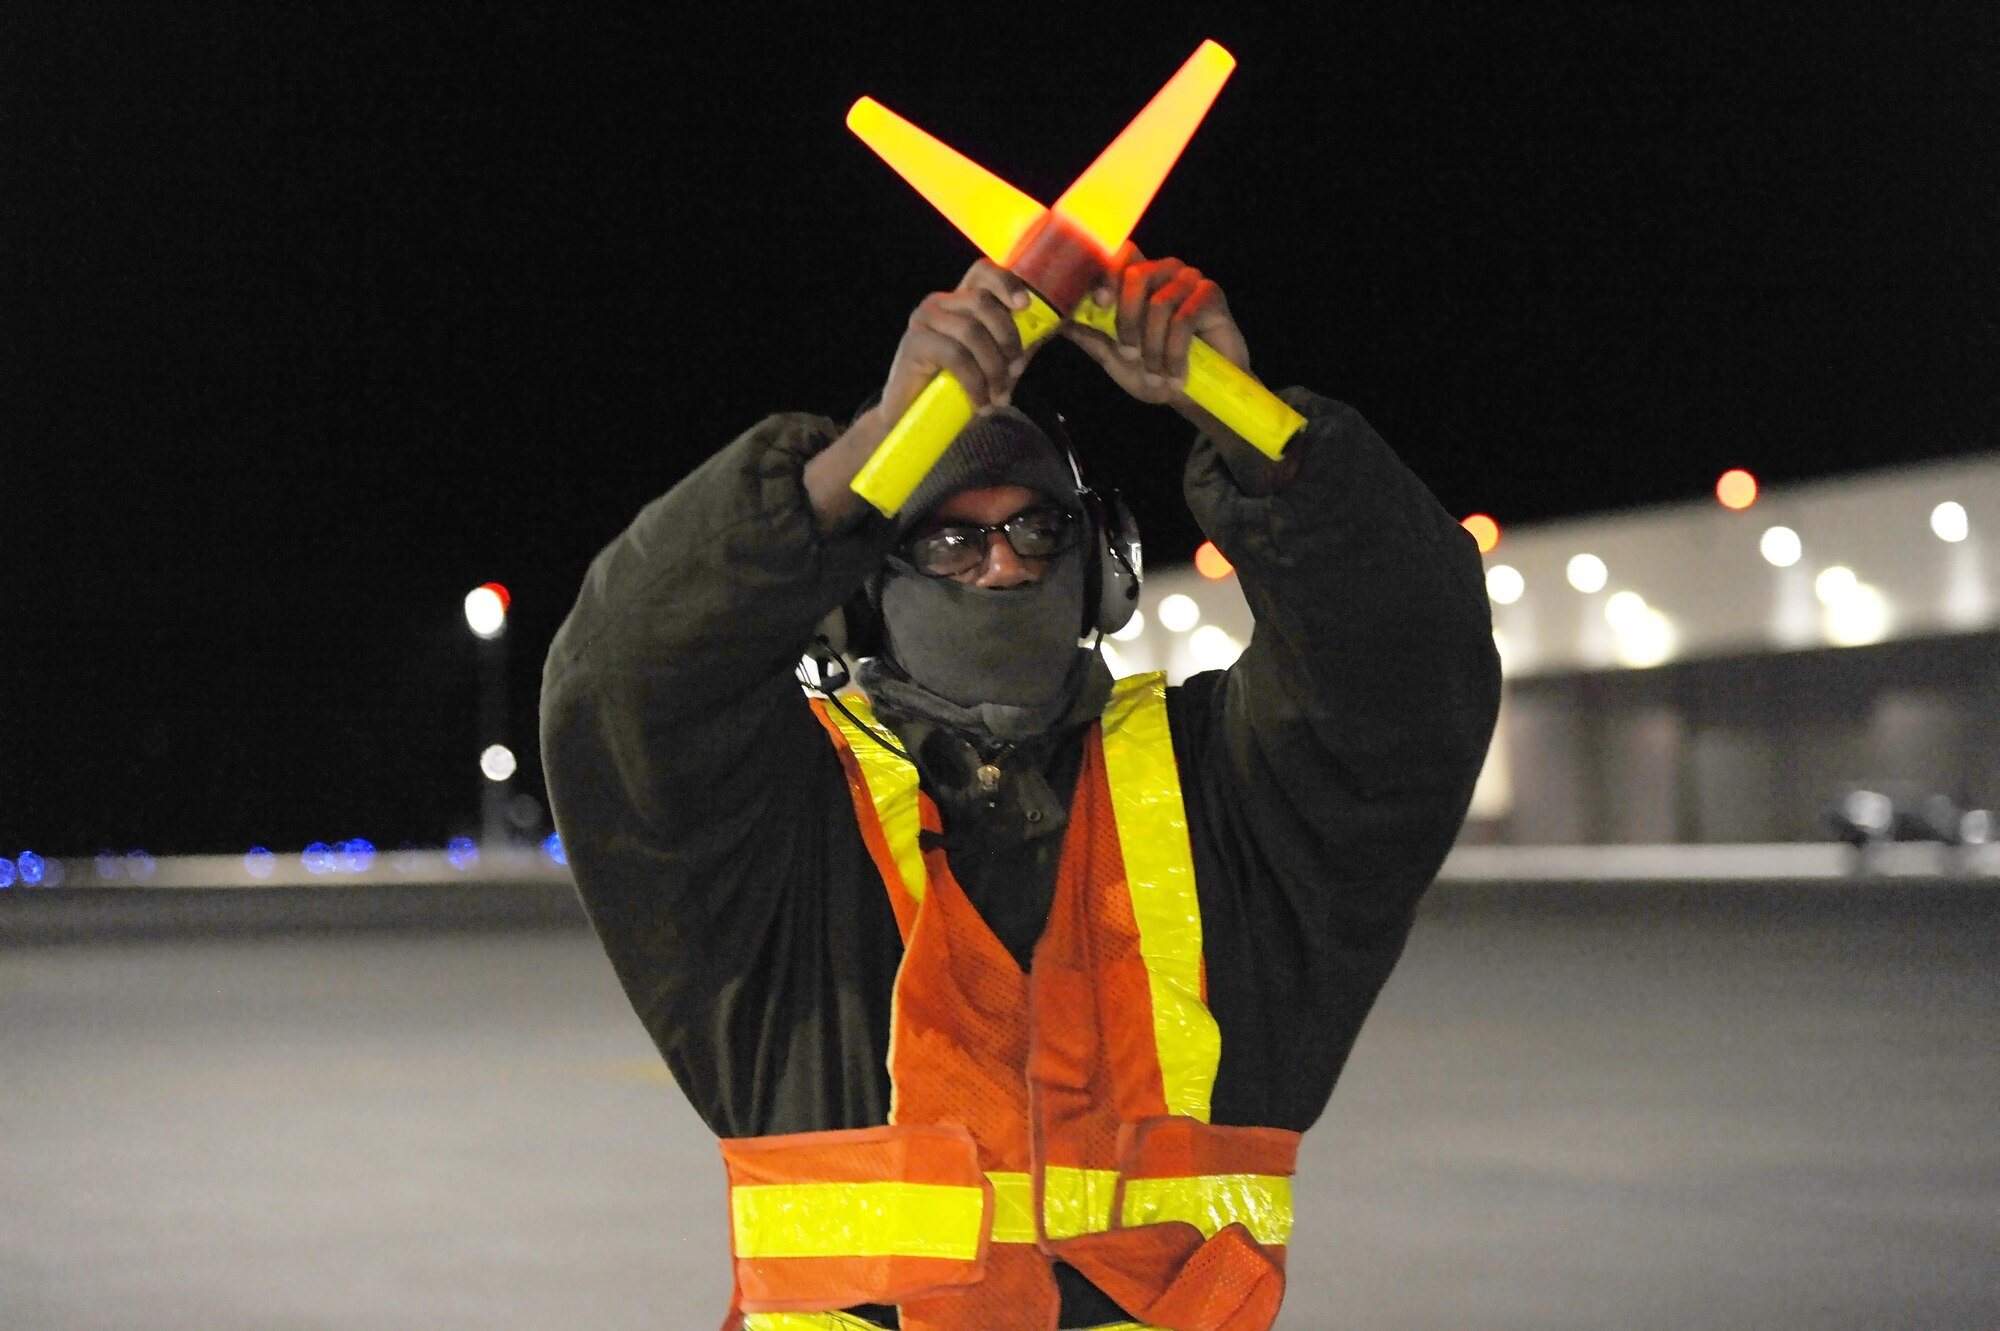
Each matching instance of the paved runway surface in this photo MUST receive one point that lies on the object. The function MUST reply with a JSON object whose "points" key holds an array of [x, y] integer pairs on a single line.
{"points": [[1676, 1118]]}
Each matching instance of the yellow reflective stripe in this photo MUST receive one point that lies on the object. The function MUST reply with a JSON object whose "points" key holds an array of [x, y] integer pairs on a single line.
{"points": [[1013, 1206], [843, 1322], [1159, 873], [892, 1219], [1077, 1201], [892, 786], [1262, 1203]]}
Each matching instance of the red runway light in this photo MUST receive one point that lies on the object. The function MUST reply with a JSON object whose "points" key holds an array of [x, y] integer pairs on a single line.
{"points": [[1484, 530], [1211, 563], [1737, 489]]}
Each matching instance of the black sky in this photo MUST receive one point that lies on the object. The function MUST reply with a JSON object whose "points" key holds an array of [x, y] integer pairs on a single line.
{"points": [[320, 315]]}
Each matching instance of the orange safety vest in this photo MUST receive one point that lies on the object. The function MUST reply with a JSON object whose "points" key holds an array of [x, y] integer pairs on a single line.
{"points": [[1057, 1114]]}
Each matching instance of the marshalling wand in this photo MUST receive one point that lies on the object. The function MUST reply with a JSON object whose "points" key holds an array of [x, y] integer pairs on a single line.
{"points": [[1061, 253]]}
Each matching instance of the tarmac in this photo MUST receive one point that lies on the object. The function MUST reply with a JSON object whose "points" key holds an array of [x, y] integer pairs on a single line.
{"points": [[1643, 1105]]}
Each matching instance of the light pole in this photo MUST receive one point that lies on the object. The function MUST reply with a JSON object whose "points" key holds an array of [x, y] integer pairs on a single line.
{"points": [[486, 615]]}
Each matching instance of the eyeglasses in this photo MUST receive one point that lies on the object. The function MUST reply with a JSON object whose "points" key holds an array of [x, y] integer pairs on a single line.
{"points": [[960, 547]]}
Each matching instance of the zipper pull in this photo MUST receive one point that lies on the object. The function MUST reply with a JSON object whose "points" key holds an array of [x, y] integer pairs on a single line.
{"points": [[988, 772]]}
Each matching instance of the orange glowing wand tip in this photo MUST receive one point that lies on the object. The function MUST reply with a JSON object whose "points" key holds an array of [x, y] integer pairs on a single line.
{"points": [[1107, 200], [991, 213]]}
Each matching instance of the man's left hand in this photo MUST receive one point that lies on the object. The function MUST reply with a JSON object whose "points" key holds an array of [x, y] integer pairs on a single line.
{"points": [[1162, 305]]}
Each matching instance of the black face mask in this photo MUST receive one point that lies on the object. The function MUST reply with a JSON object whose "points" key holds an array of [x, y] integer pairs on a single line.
{"points": [[1012, 647]]}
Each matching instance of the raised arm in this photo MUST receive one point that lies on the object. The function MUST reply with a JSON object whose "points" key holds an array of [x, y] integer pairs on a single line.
{"points": [[702, 811], [1344, 743], [1338, 755]]}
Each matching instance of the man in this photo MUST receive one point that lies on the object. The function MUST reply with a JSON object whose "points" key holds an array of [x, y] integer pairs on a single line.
{"points": [[1136, 928]]}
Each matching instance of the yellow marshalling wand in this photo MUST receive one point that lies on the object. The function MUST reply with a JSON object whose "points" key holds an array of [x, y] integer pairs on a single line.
{"points": [[1061, 253]]}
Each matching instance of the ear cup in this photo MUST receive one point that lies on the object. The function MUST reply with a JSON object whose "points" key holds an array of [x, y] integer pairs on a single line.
{"points": [[863, 621], [1120, 565], [852, 629], [1111, 591], [823, 669]]}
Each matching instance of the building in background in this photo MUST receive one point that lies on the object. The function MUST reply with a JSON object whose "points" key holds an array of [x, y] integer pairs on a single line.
{"points": [[1735, 671]]}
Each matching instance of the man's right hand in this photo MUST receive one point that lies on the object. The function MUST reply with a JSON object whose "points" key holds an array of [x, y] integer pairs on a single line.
{"points": [[969, 333]]}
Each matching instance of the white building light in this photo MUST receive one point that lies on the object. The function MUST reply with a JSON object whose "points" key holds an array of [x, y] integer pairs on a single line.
{"points": [[1179, 613], [1645, 638], [497, 762], [1505, 584], [1213, 648], [1834, 585], [1780, 547], [485, 612], [1587, 573], [1948, 520], [1859, 617], [1133, 628], [1625, 610]]}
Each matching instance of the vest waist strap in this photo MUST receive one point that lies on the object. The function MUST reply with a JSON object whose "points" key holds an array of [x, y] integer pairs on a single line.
{"points": [[883, 1215]]}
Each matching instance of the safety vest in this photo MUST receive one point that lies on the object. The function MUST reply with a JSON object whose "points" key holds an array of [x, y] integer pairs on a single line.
{"points": [[1062, 1113]]}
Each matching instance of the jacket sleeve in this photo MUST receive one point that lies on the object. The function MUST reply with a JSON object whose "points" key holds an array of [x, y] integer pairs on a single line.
{"points": [[1337, 756], [703, 813]]}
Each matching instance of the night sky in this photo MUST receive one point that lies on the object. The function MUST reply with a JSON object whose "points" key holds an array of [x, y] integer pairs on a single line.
{"points": [[320, 315]]}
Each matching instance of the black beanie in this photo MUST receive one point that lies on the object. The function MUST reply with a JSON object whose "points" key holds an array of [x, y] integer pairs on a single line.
{"points": [[1005, 448]]}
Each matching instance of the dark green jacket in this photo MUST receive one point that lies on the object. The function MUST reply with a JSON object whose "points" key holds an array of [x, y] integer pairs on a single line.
{"points": [[709, 827]]}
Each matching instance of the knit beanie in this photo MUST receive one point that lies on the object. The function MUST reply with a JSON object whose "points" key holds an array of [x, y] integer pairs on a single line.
{"points": [[1005, 448]]}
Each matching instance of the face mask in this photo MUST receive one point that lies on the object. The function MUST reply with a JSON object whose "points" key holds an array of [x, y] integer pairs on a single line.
{"points": [[1013, 647]]}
